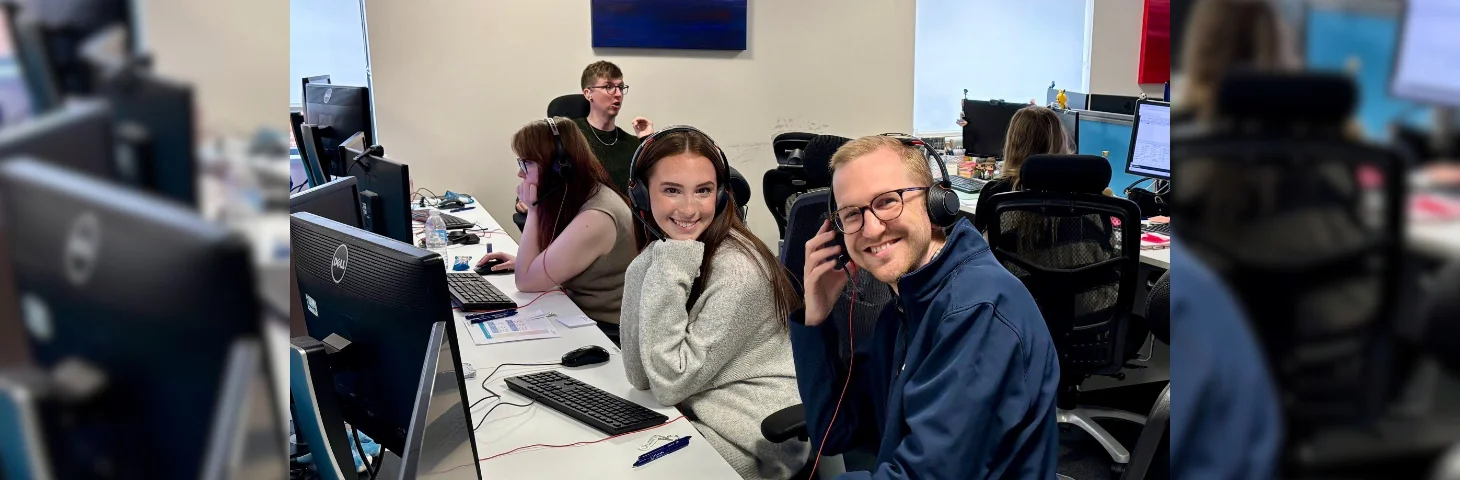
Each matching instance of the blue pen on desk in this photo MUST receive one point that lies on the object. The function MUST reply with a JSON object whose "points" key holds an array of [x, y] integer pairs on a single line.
{"points": [[462, 209], [668, 448]]}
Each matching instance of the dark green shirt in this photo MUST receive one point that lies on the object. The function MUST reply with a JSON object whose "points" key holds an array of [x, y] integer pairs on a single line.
{"points": [[613, 154]]}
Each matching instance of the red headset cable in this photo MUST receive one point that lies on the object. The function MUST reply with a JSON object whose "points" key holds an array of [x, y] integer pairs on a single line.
{"points": [[852, 360]]}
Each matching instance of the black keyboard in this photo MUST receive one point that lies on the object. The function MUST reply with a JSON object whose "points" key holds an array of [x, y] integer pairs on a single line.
{"points": [[453, 222], [1161, 228], [474, 292], [599, 409], [967, 185]]}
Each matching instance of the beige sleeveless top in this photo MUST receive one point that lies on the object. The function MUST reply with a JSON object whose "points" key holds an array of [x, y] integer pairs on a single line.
{"points": [[600, 288]]}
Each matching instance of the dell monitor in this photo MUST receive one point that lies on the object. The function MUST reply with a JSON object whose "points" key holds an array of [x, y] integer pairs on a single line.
{"points": [[340, 112], [440, 444], [338, 200], [988, 123], [385, 192], [154, 304], [304, 82], [1427, 37], [1121, 104], [307, 144], [79, 135], [1150, 143], [156, 126], [376, 300]]}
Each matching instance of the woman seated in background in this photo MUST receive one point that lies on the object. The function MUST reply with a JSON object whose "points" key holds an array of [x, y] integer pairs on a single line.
{"points": [[704, 325], [1032, 131], [579, 234]]}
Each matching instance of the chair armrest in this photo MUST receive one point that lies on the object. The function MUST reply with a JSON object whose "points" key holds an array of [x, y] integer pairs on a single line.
{"points": [[788, 423]]}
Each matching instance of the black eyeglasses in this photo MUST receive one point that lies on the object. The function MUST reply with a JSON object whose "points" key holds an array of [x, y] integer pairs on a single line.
{"points": [[522, 164], [886, 207], [613, 88]]}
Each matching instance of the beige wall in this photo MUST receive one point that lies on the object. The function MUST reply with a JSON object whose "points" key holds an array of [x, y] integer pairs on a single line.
{"points": [[1115, 48], [454, 79], [233, 53]]}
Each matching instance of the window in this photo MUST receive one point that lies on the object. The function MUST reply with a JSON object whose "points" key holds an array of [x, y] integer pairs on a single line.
{"points": [[326, 37], [996, 49]]}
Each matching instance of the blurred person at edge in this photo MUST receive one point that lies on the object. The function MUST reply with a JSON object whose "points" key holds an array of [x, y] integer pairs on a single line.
{"points": [[1226, 419]]}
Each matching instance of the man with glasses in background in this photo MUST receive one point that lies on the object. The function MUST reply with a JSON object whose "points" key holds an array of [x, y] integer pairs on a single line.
{"points": [[603, 86], [960, 375]]}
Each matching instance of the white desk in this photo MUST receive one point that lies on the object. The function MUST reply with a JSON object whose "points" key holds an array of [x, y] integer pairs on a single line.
{"points": [[512, 427], [1438, 239], [1156, 258]]}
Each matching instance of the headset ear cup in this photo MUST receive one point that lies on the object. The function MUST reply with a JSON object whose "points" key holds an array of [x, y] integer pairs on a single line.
{"points": [[942, 205], [722, 200], [638, 197]]}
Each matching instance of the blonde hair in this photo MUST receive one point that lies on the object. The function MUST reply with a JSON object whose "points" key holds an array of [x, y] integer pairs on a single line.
{"points": [[1229, 34], [912, 158], [1032, 131]]}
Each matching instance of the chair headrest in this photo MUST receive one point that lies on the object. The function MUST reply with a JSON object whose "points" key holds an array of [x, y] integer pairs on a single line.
{"points": [[1284, 97], [739, 187], [818, 158], [572, 105], [784, 143], [1065, 173]]}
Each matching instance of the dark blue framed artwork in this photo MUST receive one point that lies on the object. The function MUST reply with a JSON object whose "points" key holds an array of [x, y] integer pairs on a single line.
{"points": [[684, 24]]}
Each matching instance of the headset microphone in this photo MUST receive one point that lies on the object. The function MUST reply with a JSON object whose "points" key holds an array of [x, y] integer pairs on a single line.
{"points": [[651, 228]]}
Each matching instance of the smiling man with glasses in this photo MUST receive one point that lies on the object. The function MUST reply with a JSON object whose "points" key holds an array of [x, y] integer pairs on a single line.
{"points": [[960, 375], [604, 87]]}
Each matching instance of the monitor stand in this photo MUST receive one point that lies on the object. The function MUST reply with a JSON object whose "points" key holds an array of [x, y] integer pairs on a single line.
{"points": [[317, 415]]}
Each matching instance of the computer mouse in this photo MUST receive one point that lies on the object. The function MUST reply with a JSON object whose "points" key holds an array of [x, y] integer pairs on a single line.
{"points": [[486, 268], [589, 355]]}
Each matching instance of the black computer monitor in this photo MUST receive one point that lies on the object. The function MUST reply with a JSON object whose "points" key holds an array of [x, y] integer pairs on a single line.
{"points": [[153, 301], [988, 123], [341, 111], [304, 82], [1122, 104], [27, 45], [1425, 36], [79, 135], [440, 444], [1150, 141], [381, 296], [338, 200], [155, 121], [308, 147], [1071, 121], [385, 196]]}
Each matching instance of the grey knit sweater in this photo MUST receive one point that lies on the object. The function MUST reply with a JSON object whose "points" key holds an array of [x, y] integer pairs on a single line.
{"points": [[726, 362]]}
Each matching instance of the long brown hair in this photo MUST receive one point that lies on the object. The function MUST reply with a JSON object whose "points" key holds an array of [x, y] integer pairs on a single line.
{"points": [[1033, 130], [1225, 35], [558, 196], [725, 227]]}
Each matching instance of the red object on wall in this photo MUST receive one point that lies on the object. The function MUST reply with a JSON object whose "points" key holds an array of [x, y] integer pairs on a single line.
{"points": [[1155, 43]]}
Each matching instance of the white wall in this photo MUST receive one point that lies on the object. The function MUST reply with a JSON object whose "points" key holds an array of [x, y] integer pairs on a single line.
{"points": [[454, 79], [231, 52], [1115, 48]]}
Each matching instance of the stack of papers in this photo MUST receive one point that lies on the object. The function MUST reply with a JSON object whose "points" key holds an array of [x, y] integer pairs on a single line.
{"points": [[522, 326]]}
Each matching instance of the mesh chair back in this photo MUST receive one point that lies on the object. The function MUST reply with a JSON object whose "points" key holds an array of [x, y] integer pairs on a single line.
{"points": [[1304, 225], [807, 212], [1077, 253]]}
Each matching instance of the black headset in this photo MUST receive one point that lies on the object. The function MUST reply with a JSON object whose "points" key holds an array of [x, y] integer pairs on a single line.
{"points": [[562, 165], [942, 200], [639, 193]]}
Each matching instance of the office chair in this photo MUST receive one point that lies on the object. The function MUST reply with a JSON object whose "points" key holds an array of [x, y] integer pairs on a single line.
{"points": [[572, 105], [1151, 459], [1057, 237], [801, 166], [1158, 308], [1442, 317], [1305, 224], [806, 217]]}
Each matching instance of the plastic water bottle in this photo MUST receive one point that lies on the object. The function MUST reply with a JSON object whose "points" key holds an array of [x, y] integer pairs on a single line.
{"points": [[436, 239]]}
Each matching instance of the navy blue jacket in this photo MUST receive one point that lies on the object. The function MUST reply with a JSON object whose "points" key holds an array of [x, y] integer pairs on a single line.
{"points": [[959, 380]]}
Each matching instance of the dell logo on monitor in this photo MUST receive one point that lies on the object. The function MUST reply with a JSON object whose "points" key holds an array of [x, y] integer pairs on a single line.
{"points": [[339, 263], [327, 93]]}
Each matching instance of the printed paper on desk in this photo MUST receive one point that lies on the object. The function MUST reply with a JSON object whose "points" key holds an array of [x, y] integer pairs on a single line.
{"points": [[575, 321], [523, 326]]}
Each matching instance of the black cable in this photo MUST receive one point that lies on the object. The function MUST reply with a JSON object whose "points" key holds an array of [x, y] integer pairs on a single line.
{"points": [[361, 449], [494, 407], [423, 197], [488, 378]]}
